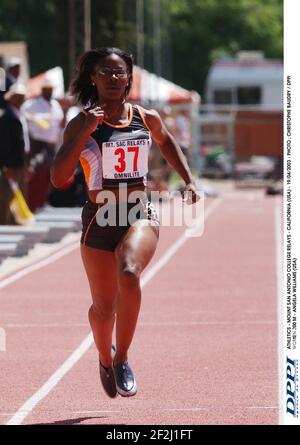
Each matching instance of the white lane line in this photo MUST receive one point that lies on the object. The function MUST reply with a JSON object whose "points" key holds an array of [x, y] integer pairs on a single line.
{"points": [[29, 405], [183, 409], [50, 259], [43, 325], [270, 312], [280, 314], [139, 409], [205, 323], [96, 412], [262, 407], [142, 323], [38, 253], [173, 249]]}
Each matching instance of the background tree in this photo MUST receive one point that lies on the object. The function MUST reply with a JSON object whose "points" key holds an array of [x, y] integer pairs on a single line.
{"points": [[192, 32], [42, 25], [203, 29]]}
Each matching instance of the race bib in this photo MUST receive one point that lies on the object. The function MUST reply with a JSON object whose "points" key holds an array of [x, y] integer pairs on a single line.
{"points": [[125, 159]]}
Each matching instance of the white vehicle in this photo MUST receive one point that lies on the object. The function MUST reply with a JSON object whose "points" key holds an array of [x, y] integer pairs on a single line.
{"points": [[248, 80]]}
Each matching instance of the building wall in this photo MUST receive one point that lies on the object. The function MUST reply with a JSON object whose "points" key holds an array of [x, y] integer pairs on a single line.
{"points": [[258, 133]]}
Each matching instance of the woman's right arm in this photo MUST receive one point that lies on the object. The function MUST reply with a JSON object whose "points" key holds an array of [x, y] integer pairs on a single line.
{"points": [[66, 159], [76, 135]]}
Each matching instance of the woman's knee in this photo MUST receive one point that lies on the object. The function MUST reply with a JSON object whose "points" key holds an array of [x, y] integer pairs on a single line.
{"points": [[104, 311], [129, 274]]}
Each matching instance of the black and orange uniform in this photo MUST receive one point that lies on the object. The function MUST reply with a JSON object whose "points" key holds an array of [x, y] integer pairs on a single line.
{"points": [[114, 157]]}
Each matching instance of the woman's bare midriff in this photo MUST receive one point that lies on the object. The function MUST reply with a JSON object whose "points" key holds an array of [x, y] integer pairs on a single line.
{"points": [[120, 194]]}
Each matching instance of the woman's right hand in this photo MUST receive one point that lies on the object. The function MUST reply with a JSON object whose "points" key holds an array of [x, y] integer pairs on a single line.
{"points": [[94, 117]]}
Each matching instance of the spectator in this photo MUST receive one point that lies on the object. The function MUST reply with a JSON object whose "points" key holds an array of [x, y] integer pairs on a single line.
{"points": [[168, 118], [45, 118], [73, 193], [13, 68], [183, 133], [12, 151], [70, 110], [69, 107], [161, 170]]}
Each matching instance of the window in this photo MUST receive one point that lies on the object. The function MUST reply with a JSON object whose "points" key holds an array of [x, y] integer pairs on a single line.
{"points": [[223, 97], [249, 95]]}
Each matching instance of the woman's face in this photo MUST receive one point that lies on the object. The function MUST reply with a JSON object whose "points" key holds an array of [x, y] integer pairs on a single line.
{"points": [[111, 78]]}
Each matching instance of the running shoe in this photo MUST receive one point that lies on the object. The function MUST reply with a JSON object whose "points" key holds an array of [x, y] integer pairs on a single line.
{"points": [[107, 378], [124, 378]]}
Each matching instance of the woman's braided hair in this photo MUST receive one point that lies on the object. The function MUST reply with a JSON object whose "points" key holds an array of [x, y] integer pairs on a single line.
{"points": [[81, 85]]}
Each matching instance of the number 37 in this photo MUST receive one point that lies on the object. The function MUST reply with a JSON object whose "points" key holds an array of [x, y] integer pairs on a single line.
{"points": [[121, 167]]}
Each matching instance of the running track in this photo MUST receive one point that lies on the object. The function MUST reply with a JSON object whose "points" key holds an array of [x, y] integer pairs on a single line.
{"points": [[205, 350]]}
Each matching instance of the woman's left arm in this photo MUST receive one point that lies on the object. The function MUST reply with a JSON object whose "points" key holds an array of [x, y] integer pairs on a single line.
{"points": [[170, 150]]}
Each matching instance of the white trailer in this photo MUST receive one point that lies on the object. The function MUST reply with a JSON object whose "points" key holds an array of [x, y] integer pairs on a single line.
{"points": [[249, 80]]}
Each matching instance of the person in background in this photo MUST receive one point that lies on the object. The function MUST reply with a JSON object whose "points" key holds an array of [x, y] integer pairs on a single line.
{"points": [[12, 149], [45, 118], [13, 68], [73, 192], [160, 172], [71, 109], [183, 132]]}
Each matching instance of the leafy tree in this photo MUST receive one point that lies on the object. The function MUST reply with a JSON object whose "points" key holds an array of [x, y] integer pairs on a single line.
{"points": [[193, 32], [202, 29], [42, 25]]}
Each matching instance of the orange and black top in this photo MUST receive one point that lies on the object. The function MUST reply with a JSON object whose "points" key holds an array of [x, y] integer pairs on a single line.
{"points": [[117, 154]]}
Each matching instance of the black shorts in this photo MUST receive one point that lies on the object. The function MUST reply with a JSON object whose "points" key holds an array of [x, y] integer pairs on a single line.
{"points": [[118, 219]]}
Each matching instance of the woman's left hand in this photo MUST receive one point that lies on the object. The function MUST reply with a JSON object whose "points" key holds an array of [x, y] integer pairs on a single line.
{"points": [[190, 194]]}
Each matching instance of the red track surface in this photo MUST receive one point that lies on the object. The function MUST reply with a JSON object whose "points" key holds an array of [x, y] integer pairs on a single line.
{"points": [[205, 350]]}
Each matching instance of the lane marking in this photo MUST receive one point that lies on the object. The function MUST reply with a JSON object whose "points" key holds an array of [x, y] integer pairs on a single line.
{"points": [[41, 393], [5, 414], [162, 323], [36, 266], [183, 409], [270, 312], [96, 411], [139, 409], [34, 256], [173, 249], [262, 407], [69, 248], [43, 325], [196, 323], [280, 314]]}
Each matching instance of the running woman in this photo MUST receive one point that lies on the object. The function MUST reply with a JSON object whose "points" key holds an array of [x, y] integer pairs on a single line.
{"points": [[111, 138]]}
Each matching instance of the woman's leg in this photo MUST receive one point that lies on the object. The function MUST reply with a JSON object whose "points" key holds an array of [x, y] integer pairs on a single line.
{"points": [[133, 254], [100, 266]]}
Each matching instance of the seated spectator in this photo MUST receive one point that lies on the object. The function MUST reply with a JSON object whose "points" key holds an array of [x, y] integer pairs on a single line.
{"points": [[12, 150]]}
